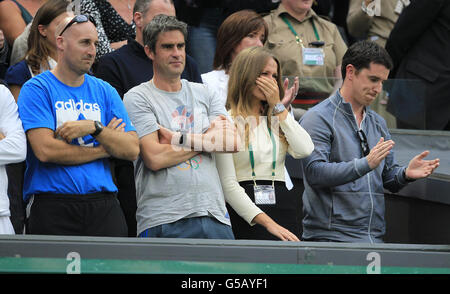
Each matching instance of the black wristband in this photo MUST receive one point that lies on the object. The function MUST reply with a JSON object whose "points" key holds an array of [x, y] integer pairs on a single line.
{"points": [[406, 179], [98, 128]]}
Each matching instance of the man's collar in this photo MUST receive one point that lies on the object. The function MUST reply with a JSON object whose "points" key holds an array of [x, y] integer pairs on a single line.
{"points": [[339, 101]]}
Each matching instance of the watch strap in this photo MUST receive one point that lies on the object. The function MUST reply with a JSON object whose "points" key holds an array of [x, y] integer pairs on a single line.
{"points": [[98, 128], [278, 108]]}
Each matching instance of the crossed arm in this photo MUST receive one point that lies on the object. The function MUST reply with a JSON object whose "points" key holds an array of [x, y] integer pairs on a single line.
{"points": [[157, 155], [113, 142], [159, 149]]}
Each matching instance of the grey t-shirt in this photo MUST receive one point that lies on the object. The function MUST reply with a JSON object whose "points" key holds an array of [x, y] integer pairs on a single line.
{"points": [[191, 188]]}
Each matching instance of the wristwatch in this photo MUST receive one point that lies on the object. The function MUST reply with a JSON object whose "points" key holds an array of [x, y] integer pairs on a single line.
{"points": [[279, 107], [98, 128]]}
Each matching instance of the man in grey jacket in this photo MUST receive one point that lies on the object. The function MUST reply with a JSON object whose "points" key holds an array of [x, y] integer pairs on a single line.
{"points": [[353, 159]]}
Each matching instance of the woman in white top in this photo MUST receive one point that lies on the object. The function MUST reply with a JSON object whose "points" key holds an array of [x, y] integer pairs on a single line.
{"points": [[13, 148], [253, 179], [240, 30]]}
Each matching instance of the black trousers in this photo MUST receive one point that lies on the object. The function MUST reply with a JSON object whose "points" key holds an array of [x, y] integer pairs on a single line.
{"points": [[123, 173], [285, 212], [15, 172], [97, 214]]}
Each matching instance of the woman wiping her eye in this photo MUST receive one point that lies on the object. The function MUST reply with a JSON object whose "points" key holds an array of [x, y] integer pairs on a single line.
{"points": [[253, 179]]}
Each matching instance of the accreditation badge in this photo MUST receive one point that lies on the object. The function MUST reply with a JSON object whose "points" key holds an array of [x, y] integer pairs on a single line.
{"points": [[312, 56], [264, 194]]}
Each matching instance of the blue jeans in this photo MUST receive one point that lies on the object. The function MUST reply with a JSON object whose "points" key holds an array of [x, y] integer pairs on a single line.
{"points": [[201, 43], [203, 227]]}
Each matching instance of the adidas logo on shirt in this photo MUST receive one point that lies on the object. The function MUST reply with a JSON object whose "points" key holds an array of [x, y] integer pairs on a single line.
{"points": [[70, 110]]}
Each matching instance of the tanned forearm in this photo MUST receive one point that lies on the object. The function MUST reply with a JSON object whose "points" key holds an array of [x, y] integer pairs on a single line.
{"points": [[122, 145], [51, 150], [166, 156], [157, 155]]}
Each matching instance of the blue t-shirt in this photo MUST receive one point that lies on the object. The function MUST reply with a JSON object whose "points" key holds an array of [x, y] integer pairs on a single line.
{"points": [[45, 102]]}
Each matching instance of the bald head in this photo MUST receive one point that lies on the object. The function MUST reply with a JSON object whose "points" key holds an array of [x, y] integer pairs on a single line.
{"points": [[76, 47]]}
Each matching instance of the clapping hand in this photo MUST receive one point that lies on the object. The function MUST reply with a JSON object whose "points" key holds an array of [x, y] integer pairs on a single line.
{"points": [[289, 93], [379, 152], [419, 168]]}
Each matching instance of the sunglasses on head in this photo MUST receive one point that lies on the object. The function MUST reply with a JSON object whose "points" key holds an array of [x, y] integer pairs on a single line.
{"points": [[363, 141], [77, 19]]}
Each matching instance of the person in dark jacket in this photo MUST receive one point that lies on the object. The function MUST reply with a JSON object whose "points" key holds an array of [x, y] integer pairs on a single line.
{"points": [[353, 160], [419, 45]]}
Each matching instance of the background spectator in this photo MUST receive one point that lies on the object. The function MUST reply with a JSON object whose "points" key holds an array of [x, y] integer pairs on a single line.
{"points": [[102, 13], [374, 20], [366, 20], [4, 50], [240, 30], [15, 15], [419, 44], [117, 20], [41, 54], [12, 149], [307, 46], [204, 18]]}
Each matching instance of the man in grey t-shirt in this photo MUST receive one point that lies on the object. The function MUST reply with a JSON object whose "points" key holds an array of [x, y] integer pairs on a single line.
{"points": [[180, 125]]}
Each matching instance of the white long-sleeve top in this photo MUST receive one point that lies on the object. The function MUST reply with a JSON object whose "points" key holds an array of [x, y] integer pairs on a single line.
{"points": [[218, 81], [13, 148], [234, 168]]}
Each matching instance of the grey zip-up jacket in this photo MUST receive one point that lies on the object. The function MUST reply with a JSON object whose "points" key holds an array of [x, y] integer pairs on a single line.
{"points": [[343, 198]]}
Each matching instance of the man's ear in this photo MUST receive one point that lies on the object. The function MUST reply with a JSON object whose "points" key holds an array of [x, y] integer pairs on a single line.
{"points": [[149, 52], [60, 42], [350, 71], [138, 19]]}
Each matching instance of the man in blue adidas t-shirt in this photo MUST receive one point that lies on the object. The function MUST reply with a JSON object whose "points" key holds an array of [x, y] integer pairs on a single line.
{"points": [[74, 122]]}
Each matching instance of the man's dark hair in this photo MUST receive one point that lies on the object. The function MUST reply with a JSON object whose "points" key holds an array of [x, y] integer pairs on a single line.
{"points": [[160, 24], [362, 53]]}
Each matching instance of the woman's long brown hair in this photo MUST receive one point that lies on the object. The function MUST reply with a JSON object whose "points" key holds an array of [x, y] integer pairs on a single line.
{"points": [[38, 46], [245, 69], [233, 29]]}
